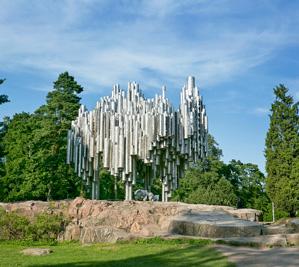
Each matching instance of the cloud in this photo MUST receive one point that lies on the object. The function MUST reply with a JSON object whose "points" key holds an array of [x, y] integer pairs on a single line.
{"points": [[103, 45]]}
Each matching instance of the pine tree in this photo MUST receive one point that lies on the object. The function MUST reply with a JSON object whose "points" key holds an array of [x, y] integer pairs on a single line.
{"points": [[3, 98], [282, 152], [35, 147], [54, 119]]}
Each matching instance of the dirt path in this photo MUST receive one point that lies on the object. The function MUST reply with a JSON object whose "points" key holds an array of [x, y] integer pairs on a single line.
{"points": [[275, 257]]}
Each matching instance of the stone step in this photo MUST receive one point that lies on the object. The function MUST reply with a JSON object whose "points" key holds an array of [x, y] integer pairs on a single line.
{"points": [[277, 229], [277, 240], [214, 225]]}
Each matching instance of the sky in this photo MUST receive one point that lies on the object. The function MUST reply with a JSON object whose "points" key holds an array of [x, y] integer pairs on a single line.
{"points": [[238, 51]]}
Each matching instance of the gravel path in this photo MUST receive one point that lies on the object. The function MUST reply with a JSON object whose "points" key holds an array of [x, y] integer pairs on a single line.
{"points": [[253, 257]]}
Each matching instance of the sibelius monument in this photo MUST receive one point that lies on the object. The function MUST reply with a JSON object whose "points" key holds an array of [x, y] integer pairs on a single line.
{"points": [[127, 132]]}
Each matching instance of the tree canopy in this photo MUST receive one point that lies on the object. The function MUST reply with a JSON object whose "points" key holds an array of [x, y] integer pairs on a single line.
{"points": [[35, 147], [211, 181]]}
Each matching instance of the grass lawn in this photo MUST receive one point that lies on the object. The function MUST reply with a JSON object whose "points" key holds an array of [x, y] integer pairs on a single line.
{"points": [[152, 252]]}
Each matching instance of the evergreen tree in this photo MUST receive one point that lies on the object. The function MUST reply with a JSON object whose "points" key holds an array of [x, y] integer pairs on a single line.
{"points": [[35, 147], [54, 120], [282, 152], [3, 130], [3, 98]]}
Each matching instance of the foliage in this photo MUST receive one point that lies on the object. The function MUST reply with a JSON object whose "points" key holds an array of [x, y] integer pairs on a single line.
{"points": [[212, 181], [47, 227], [110, 187], [13, 226], [154, 252], [19, 148], [282, 152], [35, 147], [156, 187], [44, 227], [214, 152], [206, 184], [3, 98], [3, 130], [249, 183]]}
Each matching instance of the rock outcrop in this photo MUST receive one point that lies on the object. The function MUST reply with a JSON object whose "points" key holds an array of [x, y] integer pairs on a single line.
{"points": [[109, 221]]}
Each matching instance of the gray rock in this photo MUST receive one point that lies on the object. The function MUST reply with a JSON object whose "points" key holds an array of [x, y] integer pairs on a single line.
{"points": [[277, 229], [36, 251], [259, 241], [102, 234], [293, 239], [247, 214], [294, 224], [214, 224]]}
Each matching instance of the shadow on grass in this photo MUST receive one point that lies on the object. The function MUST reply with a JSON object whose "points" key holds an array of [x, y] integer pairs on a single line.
{"points": [[189, 256]]}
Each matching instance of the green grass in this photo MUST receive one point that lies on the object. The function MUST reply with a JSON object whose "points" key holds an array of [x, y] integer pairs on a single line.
{"points": [[152, 252]]}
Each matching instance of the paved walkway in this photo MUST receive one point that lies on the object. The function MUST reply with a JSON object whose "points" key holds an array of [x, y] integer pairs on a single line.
{"points": [[252, 257]]}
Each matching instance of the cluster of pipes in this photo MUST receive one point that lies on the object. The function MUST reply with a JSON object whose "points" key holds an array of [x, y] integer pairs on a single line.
{"points": [[127, 133]]}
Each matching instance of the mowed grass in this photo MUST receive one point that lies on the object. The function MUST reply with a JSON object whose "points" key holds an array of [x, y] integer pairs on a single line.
{"points": [[149, 252]]}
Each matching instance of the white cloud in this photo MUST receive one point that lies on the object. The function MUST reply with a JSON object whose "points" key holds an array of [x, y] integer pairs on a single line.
{"points": [[51, 38]]}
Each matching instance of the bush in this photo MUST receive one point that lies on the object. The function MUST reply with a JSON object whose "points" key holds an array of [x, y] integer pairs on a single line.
{"points": [[13, 226], [44, 227], [47, 227]]}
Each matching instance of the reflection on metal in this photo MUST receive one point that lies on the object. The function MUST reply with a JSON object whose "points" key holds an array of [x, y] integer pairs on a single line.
{"points": [[127, 132]]}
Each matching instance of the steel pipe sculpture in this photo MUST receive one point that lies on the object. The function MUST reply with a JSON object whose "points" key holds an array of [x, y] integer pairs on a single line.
{"points": [[126, 130]]}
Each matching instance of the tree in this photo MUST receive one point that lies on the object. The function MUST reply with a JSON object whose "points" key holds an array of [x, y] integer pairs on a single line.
{"points": [[35, 147], [212, 181], [282, 152], [108, 185], [54, 120], [3, 98], [206, 184], [213, 148], [17, 183], [249, 186], [3, 130]]}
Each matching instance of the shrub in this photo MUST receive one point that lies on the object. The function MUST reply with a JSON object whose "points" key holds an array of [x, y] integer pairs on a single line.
{"points": [[47, 227], [13, 226], [44, 227]]}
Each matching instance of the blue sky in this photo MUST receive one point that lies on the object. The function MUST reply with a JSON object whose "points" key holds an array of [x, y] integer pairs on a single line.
{"points": [[238, 51]]}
